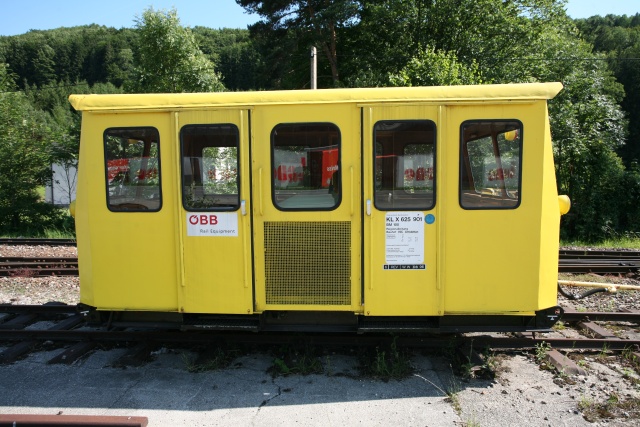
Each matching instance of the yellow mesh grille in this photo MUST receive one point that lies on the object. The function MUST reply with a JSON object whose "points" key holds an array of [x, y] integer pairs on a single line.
{"points": [[307, 262]]}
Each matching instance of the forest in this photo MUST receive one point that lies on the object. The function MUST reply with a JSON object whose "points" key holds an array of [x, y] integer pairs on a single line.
{"points": [[595, 120]]}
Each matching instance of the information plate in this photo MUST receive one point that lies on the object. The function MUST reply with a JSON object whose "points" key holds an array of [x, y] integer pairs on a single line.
{"points": [[404, 238]]}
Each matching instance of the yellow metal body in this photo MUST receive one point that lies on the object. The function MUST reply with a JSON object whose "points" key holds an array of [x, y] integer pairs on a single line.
{"points": [[474, 261]]}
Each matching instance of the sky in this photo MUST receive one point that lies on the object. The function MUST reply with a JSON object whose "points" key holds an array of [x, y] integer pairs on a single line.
{"points": [[20, 16]]}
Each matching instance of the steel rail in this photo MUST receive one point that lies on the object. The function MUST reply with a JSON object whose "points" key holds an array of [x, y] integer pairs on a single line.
{"points": [[589, 254], [530, 343], [34, 259], [78, 332], [569, 315], [563, 253], [55, 266], [327, 340], [38, 266], [42, 271], [49, 308], [619, 268], [36, 241], [72, 420], [613, 316], [570, 261]]}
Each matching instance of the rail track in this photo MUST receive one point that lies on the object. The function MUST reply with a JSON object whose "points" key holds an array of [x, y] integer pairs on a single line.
{"points": [[563, 253], [24, 328], [599, 261], [595, 254], [38, 266], [19, 241], [570, 261]]}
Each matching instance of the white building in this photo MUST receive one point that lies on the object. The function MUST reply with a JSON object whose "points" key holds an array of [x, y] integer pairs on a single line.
{"points": [[62, 189]]}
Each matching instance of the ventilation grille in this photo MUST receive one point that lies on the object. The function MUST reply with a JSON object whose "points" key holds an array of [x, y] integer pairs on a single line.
{"points": [[308, 262]]}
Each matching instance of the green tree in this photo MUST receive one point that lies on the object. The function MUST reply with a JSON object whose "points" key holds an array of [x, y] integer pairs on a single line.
{"points": [[588, 127], [25, 156], [431, 68], [293, 26], [91, 53], [31, 57], [492, 36], [167, 58], [235, 56], [64, 124], [618, 38]]}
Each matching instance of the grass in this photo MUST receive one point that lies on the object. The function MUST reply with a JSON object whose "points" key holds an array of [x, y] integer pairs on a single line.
{"points": [[453, 398], [620, 242], [629, 356], [301, 359], [614, 407], [47, 234], [470, 366], [603, 354], [59, 234], [559, 326], [210, 359], [542, 349], [384, 362], [387, 363]]}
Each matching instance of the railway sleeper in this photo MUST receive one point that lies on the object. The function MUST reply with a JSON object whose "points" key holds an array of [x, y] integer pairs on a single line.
{"points": [[16, 351], [73, 353], [138, 355], [19, 349], [563, 364], [596, 330], [20, 321]]}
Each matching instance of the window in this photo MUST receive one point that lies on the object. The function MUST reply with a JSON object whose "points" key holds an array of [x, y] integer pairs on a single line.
{"points": [[306, 166], [210, 178], [404, 165], [132, 169], [491, 164]]}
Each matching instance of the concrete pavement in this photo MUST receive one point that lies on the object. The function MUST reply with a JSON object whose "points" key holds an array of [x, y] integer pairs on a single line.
{"points": [[243, 395]]}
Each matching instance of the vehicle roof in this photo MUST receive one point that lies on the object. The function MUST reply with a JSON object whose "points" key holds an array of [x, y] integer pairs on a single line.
{"points": [[437, 94]]}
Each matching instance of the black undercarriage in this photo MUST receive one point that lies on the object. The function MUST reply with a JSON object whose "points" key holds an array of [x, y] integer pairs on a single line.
{"points": [[307, 321]]}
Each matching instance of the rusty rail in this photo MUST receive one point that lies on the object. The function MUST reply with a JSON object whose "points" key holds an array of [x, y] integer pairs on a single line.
{"points": [[31, 420]]}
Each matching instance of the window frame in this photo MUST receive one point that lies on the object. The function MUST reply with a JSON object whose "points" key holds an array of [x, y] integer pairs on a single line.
{"points": [[238, 174], [110, 207], [338, 200], [462, 164], [435, 161]]}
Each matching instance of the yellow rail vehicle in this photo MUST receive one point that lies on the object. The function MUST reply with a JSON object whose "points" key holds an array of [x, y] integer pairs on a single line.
{"points": [[431, 209]]}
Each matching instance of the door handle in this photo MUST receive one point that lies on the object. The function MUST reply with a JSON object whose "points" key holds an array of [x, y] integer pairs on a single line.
{"points": [[352, 190], [260, 190], [243, 207], [370, 253]]}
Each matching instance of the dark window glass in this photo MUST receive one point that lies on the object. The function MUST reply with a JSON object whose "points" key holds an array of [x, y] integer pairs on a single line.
{"points": [[306, 166], [210, 178], [133, 169], [405, 165], [491, 164]]}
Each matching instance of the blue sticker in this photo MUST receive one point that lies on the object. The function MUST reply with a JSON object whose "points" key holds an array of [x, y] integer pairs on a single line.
{"points": [[429, 219]]}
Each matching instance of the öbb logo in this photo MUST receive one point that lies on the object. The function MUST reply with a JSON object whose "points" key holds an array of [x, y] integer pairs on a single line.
{"points": [[203, 219]]}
